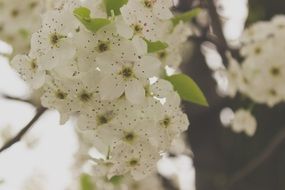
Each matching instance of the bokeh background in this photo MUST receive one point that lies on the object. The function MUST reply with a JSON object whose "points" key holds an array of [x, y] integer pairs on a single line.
{"points": [[218, 153]]}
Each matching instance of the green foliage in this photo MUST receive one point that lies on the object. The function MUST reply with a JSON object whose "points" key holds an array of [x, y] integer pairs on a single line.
{"points": [[153, 47], [116, 180], [114, 6], [187, 89], [92, 24], [186, 17], [86, 183]]}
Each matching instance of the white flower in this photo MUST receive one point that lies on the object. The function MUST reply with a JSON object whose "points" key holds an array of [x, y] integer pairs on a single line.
{"points": [[110, 82], [244, 122], [161, 8], [28, 68], [142, 22], [57, 96], [18, 20], [234, 76], [139, 161], [262, 71], [171, 122], [125, 74], [52, 43], [177, 36], [150, 182]]}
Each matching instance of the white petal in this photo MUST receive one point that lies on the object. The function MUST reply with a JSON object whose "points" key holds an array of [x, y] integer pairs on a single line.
{"points": [[147, 67], [162, 11], [123, 29], [140, 45], [135, 92], [111, 88]]}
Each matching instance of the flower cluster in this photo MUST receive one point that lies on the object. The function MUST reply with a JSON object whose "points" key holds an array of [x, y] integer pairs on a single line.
{"points": [[18, 19], [243, 121], [100, 181], [106, 66], [261, 74]]}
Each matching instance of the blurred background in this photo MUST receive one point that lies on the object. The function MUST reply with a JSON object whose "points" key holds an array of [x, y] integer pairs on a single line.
{"points": [[218, 152], [222, 160]]}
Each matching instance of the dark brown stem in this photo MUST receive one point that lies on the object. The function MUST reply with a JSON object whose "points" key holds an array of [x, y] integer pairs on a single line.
{"points": [[217, 24], [17, 99], [220, 40], [258, 161], [19, 136]]}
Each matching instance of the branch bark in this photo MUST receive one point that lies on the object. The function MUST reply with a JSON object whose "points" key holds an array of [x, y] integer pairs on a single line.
{"points": [[17, 99], [258, 161], [20, 135], [220, 42]]}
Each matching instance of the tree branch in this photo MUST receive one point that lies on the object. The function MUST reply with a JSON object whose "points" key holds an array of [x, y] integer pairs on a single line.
{"points": [[220, 40], [256, 162], [17, 99], [217, 24], [19, 136]]}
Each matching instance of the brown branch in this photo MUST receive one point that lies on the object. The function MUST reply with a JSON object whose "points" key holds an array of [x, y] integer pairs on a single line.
{"points": [[217, 24], [19, 136], [17, 99], [220, 40], [258, 161]]}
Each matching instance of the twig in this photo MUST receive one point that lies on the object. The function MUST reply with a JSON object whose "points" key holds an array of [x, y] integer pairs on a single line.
{"points": [[17, 99], [220, 40], [256, 162], [217, 24], [19, 136]]}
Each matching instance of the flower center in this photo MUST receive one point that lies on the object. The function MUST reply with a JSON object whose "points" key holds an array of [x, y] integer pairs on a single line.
{"points": [[149, 3], [103, 46], [133, 162], [34, 65], [272, 92], [105, 118], [102, 120], [147, 91], [129, 137], [275, 71], [33, 5], [127, 73], [85, 97], [60, 95], [138, 28], [15, 13], [257, 50], [162, 55], [55, 37], [165, 122]]}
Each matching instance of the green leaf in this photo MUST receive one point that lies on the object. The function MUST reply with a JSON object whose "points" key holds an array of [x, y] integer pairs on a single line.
{"points": [[187, 89], [186, 17], [153, 47], [82, 12], [114, 5], [86, 183], [92, 24], [116, 180]]}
